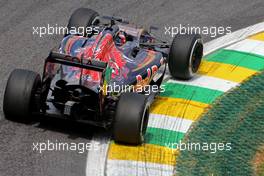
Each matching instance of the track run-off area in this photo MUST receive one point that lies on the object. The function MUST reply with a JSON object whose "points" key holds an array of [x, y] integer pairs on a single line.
{"points": [[228, 61]]}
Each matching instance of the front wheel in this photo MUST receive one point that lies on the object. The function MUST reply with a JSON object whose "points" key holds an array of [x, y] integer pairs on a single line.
{"points": [[19, 98], [81, 19], [131, 118], [185, 56]]}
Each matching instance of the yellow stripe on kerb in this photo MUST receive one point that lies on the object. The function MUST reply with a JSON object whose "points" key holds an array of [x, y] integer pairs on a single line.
{"points": [[180, 108], [145, 153], [259, 36], [225, 71]]}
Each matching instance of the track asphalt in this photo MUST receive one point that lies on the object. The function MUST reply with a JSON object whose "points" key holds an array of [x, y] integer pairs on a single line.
{"points": [[19, 48]]}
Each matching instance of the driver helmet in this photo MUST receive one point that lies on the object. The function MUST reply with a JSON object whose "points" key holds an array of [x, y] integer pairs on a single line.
{"points": [[122, 38]]}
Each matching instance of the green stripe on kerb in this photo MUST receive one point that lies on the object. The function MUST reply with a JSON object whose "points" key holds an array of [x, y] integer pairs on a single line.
{"points": [[163, 137], [237, 58], [189, 92]]}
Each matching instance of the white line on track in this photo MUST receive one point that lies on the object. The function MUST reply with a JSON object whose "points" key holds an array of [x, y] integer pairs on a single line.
{"points": [[233, 37], [249, 46], [96, 160]]}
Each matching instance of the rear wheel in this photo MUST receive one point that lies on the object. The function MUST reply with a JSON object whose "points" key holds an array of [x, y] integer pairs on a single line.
{"points": [[185, 56], [131, 119], [19, 98], [82, 18]]}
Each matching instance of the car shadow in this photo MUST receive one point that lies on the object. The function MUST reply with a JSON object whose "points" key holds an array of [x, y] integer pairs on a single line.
{"points": [[73, 129]]}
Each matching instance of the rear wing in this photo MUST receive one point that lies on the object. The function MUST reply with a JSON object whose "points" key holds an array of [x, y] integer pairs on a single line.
{"points": [[95, 65]]}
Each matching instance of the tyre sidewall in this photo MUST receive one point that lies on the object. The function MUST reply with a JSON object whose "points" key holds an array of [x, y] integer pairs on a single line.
{"points": [[20, 89], [180, 55], [130, 122], [82, 18]]}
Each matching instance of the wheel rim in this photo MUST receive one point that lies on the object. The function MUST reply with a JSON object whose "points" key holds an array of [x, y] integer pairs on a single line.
{"points": [[95, 21], [144, 123], [196, 56]]}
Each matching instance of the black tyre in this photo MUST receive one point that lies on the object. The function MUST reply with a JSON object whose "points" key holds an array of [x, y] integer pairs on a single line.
{"points": [[185, 56], [131, 119], [19, 98], [82, 18]]}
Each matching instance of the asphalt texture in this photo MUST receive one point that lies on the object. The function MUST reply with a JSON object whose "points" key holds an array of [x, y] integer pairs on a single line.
{"points": [[19, 48]]}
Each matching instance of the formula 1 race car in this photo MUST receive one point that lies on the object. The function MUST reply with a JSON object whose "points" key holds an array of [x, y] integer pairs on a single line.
{"points": [[106, 76]]}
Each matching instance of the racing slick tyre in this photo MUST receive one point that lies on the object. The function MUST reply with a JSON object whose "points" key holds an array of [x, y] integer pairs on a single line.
{"points": [[185, 56], [131, 119], [82, 18], [19, 98]]}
